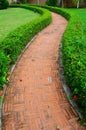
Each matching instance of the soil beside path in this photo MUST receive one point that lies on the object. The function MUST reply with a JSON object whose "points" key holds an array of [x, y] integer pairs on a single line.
{"points": [[35, 99]]}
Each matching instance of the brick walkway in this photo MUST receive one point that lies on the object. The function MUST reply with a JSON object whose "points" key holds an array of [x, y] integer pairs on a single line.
{"points": [[35, 99]]}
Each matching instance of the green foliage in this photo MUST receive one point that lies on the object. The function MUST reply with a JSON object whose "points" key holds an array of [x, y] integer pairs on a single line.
{"points": [[1, 99], [15, 41], [74, 61], [4, 4], [4, 65], [51, 2], [76, 74], [75, 1], [24, 1]]}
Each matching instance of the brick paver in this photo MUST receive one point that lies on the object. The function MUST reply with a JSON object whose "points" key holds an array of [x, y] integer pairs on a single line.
{"points": [[35, 99]]}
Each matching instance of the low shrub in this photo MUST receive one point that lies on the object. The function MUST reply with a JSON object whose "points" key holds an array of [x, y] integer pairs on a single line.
{"points": [[74, 61], [13, 44], [4, 65], [4, 4], [73, 50]]}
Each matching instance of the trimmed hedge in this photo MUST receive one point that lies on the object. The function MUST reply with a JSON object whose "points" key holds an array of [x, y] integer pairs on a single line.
{"points": [[12, 45], [4, 66], [74, 57], [74, 61]]}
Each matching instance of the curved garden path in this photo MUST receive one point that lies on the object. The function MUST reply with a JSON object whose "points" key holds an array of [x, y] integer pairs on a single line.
{"points": [[35, 99]]}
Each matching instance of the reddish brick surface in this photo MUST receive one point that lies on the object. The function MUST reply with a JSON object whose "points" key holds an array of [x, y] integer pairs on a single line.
{"points": [[35, 99]]}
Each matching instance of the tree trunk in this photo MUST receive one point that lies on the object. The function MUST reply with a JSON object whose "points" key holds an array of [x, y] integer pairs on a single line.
{"points": [[62, 3], [59, 2], [78, 3], [38, 2]]}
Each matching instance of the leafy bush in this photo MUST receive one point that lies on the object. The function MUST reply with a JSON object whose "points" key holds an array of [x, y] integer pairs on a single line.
{"points": [[74, 61], [4, 65], [74, 50], [24, 1], [4, 4], [13, 44], [51, 2]]}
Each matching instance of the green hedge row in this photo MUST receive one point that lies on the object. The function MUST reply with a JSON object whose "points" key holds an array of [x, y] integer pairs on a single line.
{"points": [[74, 57], [12, 45], [74, 61]]}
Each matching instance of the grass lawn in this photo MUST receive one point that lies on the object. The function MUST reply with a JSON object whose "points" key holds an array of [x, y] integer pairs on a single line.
{"points": [[12, 18], [82, 14]]}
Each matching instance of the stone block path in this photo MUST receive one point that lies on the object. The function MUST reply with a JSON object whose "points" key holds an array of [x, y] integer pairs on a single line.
{"points": [[35, 99]]}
